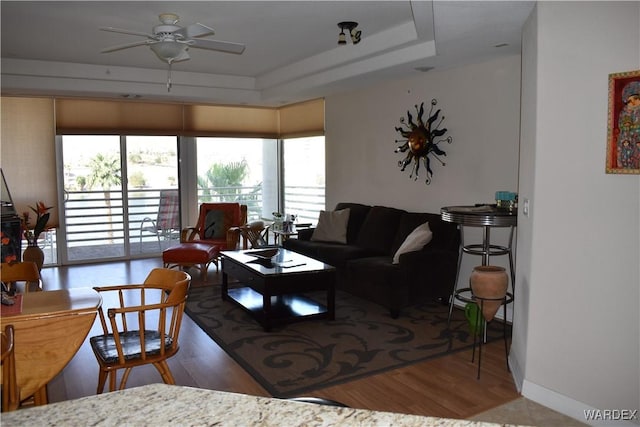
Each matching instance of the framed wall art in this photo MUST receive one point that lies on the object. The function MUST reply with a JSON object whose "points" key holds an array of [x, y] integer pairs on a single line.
{"points": [[623, 131]]}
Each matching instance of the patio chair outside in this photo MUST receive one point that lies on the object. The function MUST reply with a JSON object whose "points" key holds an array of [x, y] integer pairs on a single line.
{"points": [[167, 222]]}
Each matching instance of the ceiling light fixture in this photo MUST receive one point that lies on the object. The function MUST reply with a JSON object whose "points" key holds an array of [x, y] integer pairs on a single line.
{"points": [[351, 27], [342, 39], [170, 51]]}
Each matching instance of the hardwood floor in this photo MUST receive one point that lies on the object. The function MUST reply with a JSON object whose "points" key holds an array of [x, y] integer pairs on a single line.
{"points": [[443, 387]]}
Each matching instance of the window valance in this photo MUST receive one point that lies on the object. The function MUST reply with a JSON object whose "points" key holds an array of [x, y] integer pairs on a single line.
{"points": [[88, 116]]}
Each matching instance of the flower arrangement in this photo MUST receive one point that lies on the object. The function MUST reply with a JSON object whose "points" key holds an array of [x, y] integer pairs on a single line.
{"points": [[31, 235]]}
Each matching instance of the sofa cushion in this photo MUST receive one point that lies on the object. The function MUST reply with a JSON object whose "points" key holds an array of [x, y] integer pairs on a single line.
{"points": [[335, 254], [378, 280], [379, 229], [332, 226], [358, 212], [446, 235], [416, 240], [304, 247]]}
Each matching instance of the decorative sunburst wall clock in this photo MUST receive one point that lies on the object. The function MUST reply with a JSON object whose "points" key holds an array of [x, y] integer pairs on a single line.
{"points": [[420, 140]]}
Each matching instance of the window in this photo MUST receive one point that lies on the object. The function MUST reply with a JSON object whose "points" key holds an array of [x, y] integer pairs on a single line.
{"points": [[304, 177], [267, 175], [240, 170], [114, 186]]}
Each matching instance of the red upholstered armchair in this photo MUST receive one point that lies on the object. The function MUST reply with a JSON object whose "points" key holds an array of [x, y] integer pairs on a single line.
{"points": [[201, 245]]}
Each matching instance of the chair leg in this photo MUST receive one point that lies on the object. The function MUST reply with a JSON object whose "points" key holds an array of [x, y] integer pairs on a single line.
{"points": [[203, 271], [165, 372], [112, 380], [125, 377], [102, 379]]}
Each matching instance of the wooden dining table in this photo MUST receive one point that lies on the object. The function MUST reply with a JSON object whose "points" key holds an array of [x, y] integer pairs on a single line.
{"points": [[50, 327]]}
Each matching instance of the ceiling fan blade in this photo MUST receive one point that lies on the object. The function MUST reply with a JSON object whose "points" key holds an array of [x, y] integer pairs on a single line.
{"points": [[126, 46], [121, 31], [195, 30], [218, 45]]}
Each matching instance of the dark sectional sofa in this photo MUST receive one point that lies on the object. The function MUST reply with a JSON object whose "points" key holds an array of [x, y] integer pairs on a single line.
{"points": [[364, 263]]}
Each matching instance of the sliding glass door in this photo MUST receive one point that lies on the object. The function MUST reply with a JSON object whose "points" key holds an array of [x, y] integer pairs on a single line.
{"points": [[113, 188]]}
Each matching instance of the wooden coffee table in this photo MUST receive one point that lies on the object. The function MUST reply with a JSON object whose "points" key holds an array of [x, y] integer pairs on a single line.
{"points": [[271, 289]]}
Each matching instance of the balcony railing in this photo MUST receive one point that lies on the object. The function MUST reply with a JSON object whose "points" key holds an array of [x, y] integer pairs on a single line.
{"points": [[99, 219]]}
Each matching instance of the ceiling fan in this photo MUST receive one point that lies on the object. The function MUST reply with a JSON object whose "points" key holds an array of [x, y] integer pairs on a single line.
{"points": [[170, 42]]}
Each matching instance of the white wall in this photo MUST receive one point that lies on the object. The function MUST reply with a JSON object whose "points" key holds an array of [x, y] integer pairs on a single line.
{"points": [[581, 243], [481, 105], [517, 355]]}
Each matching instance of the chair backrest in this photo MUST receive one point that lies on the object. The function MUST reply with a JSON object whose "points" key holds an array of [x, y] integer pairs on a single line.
{"points": [[161, 300], [176, 282], [168, 210], [25, 271], [253, 234], [216, 219], [10, 392]]}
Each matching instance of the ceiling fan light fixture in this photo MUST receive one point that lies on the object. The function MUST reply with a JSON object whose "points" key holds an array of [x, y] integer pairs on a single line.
{"points": [[168, 51]]}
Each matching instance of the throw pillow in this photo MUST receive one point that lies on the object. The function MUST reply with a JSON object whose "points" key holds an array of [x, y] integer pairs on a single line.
{"points": [[416, 240], [332, 226]]}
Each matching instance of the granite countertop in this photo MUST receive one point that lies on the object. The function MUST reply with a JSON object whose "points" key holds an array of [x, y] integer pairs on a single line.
{"points": [[161, 404]]}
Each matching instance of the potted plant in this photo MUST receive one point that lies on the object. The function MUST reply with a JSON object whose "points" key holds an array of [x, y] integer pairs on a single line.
{"points": [[33, 252]]}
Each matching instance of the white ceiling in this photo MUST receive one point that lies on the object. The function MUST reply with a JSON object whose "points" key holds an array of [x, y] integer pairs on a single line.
{"points": [[291, 54]]}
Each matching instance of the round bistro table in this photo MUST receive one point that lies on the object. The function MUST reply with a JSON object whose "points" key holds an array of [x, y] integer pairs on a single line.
{"points": [[487, 217]]}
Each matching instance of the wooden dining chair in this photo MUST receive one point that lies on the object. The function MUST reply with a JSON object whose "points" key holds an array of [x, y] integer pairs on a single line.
{"points": [[141, 327], [10, 391], [250, 235], [25, 271]]}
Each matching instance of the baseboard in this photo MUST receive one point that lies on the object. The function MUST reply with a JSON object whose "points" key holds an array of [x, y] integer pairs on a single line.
{"points": [[570, 407], [516, 372]]}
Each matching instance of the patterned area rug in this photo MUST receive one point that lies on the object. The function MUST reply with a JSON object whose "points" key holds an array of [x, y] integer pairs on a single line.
{"points": [[363, 340]]}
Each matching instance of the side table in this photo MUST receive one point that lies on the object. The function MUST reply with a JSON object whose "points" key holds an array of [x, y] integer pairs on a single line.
{"points": [[279, 236], [466, 295]]}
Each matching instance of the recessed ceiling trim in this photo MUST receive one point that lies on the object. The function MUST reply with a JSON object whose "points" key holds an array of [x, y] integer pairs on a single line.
{"points": [[25, 67], [390, 59], [423, 19], [56, 78], [374, 44]]}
